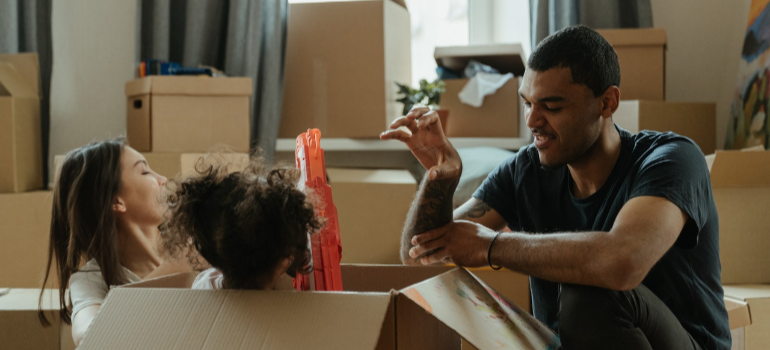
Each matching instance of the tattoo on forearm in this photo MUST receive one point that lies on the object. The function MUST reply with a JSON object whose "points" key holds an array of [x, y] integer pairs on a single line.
{"points": [[432, 208], [479, 209]]}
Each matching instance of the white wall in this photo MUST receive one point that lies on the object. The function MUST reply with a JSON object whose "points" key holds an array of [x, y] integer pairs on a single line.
{"points": [[705, 38], [94, 48]]}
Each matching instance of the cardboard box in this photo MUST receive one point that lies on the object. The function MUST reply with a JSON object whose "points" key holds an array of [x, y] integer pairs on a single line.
{"points": [[694, 120], [182, 165], [755, 335], [420, 316], [499, 114], [741, 187], [188, 114], [25, 224], [20, 328], [739, 317], [343, 60], [371, 208], [642, 57], [21, 148]]}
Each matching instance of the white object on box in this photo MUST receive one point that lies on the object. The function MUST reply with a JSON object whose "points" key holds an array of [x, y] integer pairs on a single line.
{"points": [[482, 84]]}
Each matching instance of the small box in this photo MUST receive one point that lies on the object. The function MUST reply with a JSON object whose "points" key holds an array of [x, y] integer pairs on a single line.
{"points": [[25, 226], [343, 60], [694, 120], [371, 209], [498, 115], [741, 188], [752, 330], [20, 328], [642, 57], [187, 113], [435, 313], [21, 149]]}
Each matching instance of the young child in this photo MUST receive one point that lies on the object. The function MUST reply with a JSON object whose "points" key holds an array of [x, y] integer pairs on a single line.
{"points": [[250, 226]]}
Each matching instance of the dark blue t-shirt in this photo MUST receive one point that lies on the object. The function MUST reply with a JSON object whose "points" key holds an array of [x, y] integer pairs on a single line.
{"points": [[686, 278]]}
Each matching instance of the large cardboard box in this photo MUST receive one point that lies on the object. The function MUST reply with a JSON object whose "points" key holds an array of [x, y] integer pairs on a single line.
{"points": [[25, 224], [20, 328], [642, 57], [188, 114], [371, 208], [343, 60], [498, 116], [739, 317], [694, 120], [21, 148], [756, 335], [741, 185], [182, 165], [432, 314]]}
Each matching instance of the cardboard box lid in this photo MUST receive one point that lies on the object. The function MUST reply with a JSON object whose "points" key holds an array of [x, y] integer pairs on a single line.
{"points": [[337, 175], [189, 85], [739, 169], [737, 313], [28, 66], [506, 58], [634, 37], [12, 83], [747, 292]]}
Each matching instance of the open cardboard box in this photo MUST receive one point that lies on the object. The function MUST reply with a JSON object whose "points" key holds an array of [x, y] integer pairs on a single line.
{"points": [[750, 326], [432, 314], [740, 182], [499, 114], [20, 328]]}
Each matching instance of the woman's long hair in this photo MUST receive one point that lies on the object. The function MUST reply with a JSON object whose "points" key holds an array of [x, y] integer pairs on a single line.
{"points": [[83, 224]]}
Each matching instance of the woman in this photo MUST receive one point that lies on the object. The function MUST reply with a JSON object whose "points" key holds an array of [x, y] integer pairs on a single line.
{"points": [[107, 207], [251, 226]]}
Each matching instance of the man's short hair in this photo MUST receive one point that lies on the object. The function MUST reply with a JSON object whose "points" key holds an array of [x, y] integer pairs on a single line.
{"points": [[585, 52]]}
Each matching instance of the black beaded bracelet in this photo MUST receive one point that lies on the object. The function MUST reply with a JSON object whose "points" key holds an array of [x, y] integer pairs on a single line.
{"points": [[489, 253]]}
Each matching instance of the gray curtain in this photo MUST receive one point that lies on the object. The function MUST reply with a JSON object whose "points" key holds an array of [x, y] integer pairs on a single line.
{"points": [[549, 16], [25, 26], [239, 37]]}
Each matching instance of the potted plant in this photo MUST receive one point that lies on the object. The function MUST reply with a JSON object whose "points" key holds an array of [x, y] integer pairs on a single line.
{"points": [[428, 94]]}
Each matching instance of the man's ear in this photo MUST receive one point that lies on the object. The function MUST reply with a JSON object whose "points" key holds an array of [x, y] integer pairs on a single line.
{"points": [[119, 206], [610, 101]]}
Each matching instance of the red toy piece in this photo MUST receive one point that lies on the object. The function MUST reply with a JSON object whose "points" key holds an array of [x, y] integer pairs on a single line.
{"points": [[325, 244]]}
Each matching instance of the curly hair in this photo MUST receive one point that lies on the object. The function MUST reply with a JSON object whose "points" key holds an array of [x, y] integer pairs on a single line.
{"points": [[243, 223]]}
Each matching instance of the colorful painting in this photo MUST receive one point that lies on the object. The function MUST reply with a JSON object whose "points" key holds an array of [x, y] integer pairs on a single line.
{"points": [[479, 314], [749, 125]]}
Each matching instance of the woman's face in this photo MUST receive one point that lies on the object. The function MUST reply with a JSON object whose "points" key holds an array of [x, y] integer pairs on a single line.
{"points": [[140, 199]]}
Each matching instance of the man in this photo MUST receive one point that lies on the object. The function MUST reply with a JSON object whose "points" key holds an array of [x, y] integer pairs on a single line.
{"points": [[619, 232]]}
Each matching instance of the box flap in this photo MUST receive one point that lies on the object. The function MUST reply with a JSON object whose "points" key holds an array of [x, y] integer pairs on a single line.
{"points": [[740, 169], [506, 58], [480, 315], [634, 37], [12, 83], [25, 299], [138, 318], [337, 175], [747, 292], [737, 313], [383, 278], [29, 68], [189, 85]]}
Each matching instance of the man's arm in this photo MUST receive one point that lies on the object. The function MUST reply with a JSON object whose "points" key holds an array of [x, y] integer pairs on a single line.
{"points": [[644, 230], [431, 208]]}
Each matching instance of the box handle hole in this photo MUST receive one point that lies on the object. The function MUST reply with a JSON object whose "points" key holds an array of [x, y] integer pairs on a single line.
{"points": [[137, 104]]}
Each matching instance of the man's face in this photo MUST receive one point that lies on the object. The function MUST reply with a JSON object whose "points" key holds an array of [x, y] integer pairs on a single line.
{"points": [[564, 117]]}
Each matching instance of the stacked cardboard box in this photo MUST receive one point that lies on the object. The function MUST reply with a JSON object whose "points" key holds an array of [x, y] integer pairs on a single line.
{"points": [[20, 327], [172, 119], [642, 57]]}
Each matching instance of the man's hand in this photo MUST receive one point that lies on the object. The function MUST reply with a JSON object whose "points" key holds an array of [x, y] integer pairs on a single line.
{"points": [[464, 243], [427, 142]]}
